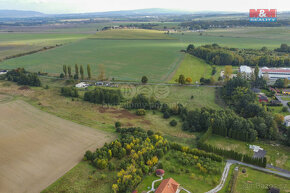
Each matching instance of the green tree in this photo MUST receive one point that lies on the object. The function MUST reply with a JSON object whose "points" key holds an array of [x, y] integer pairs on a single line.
{"points": [[144, 79], [69, 71], [76, 69], [64, 70], [181, 79], [89, 71], [82, 72]]}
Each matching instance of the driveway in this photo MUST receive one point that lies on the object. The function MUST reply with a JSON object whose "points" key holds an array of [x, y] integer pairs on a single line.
{"points": [[284, 103]]}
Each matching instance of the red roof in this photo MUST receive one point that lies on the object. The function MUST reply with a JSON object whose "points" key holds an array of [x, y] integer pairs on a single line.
{"points": [[159, 172], [135, 191], [167, 186], [275, 70]]}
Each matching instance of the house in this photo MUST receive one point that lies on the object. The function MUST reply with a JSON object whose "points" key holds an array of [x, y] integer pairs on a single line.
{"points": [[286, 91], [262, 98], [168, 186], [274, 190], [82, 85], [255, 148], [2, 72], [287, 120]]}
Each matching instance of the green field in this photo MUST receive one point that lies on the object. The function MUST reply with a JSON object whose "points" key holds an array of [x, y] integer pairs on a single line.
{"points": [[123, 59], [195, 68], [254, 181], [277, 155], [250, 37], [15, 43], [132, 34]]}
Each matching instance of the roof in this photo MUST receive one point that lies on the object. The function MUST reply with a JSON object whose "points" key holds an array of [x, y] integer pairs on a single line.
{"points": [[279, 70], [245, 69], [167, 186], [262, 97]]}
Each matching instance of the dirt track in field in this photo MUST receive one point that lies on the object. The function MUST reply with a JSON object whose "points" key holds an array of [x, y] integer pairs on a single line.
{"points": [[36, 148]]}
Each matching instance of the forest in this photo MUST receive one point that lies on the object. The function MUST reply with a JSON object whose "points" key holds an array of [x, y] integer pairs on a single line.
{"points": [[22, 77]]}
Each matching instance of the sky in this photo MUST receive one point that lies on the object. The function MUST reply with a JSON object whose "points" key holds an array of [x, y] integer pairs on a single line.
{"points": [[82, 6]]}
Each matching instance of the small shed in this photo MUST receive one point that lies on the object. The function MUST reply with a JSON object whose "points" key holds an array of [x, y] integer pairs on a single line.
{"points": [[263, 98]]}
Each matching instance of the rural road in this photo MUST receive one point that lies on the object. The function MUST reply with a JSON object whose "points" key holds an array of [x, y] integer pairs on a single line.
{"points": [[285, 174], [223, 180]]}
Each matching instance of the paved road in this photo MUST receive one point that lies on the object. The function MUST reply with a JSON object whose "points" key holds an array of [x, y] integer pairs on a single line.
{"points": [[286, 175], [223, 180], [152, 187], [284, 103], [279, 169]]}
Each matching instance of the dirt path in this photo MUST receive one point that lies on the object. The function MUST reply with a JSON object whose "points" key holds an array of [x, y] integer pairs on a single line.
{"points": [[36, 148]]}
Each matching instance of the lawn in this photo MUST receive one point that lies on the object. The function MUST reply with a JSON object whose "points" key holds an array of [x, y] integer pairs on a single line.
{"points": [[278, 110], [189, 177], [286, 98], [278, 155], [123, 59], [195, 68], [254, 181]]}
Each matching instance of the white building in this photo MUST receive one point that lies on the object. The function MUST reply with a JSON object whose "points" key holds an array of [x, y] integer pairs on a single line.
{"points": [[2, 72], [275, 73], [82, 85], [287, 120], [256, 148]]}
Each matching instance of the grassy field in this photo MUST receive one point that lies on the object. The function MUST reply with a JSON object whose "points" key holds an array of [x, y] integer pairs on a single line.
{"points": [[15, 43], [200, 183], [123, 59], [195, 68], [132, 34], [83, 178], [34, 148], [254, 181], [278, 155], [278, 110], [250, 37]]}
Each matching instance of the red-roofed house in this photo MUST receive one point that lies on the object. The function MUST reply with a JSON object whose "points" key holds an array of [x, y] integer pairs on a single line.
{"points": [[168, 186], [275, 73]]}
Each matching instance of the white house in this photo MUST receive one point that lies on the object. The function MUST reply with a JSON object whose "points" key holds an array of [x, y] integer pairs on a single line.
{"points": [[256, 148], [82, 85]]}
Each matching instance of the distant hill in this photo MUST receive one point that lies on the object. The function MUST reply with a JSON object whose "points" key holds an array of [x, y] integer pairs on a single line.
{"points": [[19, 14]]}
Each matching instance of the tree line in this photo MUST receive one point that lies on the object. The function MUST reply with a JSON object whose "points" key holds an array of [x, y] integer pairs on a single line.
{"points": [[22, 77], [103, 96], [214, 54]]}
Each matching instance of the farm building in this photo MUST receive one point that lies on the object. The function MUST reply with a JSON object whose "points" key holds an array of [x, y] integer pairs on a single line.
{"points": [[168, 186], [286, 91], [275, 73], [262, 98], [82, 85]]}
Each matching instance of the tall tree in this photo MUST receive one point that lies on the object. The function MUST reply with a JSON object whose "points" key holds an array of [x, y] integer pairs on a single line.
{"points": [[144, 79], [69, 71], [102, 74], [228, 72], [82, 72], [76, 69], [89, 71], [181, 79], [65, 70]]}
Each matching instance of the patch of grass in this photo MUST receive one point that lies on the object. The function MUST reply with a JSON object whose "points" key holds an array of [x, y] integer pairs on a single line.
{"points": [[129, 34], [286, 98], [83, 178], [277, 154], [254, 181], [195, 68], [278, 110], [189, 177]]}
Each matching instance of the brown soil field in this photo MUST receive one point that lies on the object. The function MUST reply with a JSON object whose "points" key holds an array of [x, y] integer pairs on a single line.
{"points": [[36, 148]]}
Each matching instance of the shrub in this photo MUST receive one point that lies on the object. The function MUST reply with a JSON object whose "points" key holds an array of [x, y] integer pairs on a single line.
{"points": [[166, 115], [284, 109], [141, 112], [117, 124], [173, 123]]}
